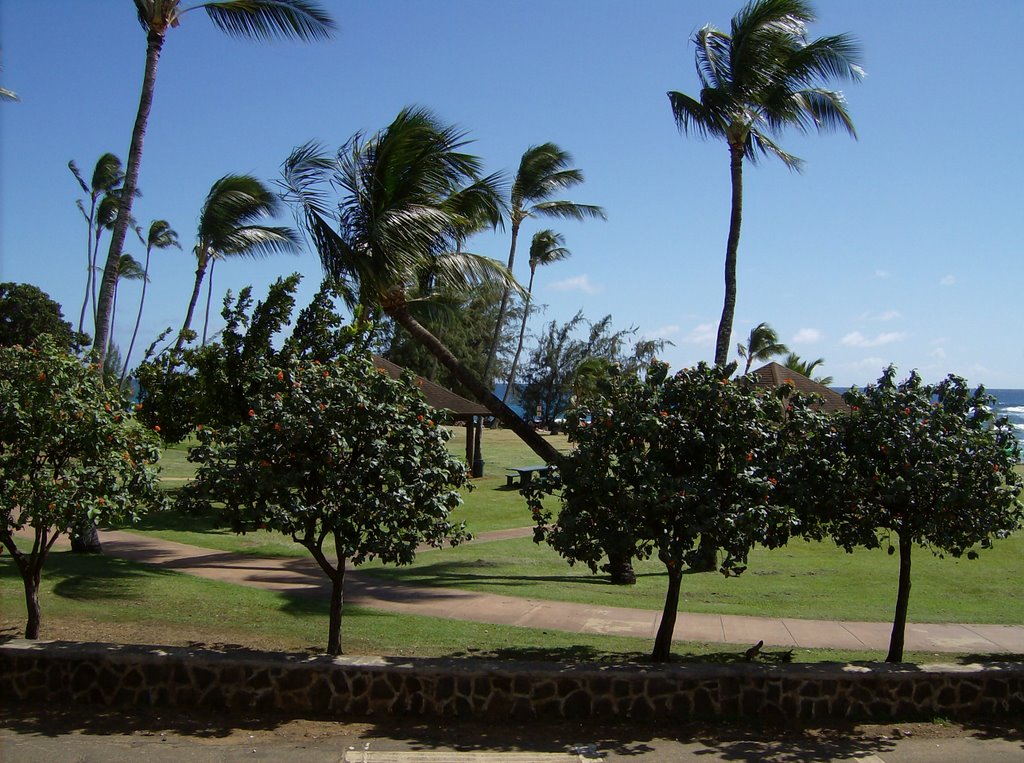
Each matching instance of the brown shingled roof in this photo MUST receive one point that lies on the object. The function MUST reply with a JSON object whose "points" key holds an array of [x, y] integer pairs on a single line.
{"points": [[436, 395], [774, 375]]}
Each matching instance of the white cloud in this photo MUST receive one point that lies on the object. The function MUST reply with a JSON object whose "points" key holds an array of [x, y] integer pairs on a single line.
{"points": [[881, 274], [576, 283], [702, 334], [868, 364], [938, 352], [857, 339], [807, 336], [947, 280], [890, 315], [663, 332]]}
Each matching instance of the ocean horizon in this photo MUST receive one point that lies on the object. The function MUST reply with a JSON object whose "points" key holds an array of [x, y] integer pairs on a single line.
{"points": [[1009, 403]]}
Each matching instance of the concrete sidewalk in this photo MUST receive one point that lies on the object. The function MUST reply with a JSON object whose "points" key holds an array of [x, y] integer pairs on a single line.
{"points": [[302, 576]]}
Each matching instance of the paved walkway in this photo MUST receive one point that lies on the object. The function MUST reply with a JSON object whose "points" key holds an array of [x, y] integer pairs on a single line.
{"points": [[302, 576]]}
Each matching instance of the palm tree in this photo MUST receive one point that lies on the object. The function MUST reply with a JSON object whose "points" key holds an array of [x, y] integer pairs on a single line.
{"points": [[253, 19], [229, 227], [394, 225], [106, 180], [757, 79], [128, 269], [762, 344], [544, 170], [546, 247], [806, 367], [161, 236]]}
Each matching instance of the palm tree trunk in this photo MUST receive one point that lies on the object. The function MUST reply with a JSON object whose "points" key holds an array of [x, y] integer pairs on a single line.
{"points": [[154, 45], [663, 641], [113, 316], [138, 318], [502, 311], [899, 622], [209, 297], [522, 335], [506, 415], [200, 272], [733, 244], [91, 268]]}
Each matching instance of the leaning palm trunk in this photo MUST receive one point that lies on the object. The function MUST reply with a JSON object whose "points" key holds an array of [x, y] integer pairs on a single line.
{"points": [[138, 320], [154, 45], [522, 336], [504, 414], [200, 273], [499, 324]]}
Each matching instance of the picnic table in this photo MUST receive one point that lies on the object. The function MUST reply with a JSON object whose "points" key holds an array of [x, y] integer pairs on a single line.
{"points": [[525, 474]]}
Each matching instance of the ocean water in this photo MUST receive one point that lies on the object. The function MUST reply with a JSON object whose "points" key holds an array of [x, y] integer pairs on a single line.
{"points": [[1010, 403]]}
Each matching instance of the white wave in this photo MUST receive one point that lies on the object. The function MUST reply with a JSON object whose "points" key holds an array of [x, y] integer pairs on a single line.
{"points": [[1014, 409]]}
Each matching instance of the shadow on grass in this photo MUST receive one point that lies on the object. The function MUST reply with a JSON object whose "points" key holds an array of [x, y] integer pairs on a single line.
{"points": [[173, 519], [88, 577], [456, 573]]}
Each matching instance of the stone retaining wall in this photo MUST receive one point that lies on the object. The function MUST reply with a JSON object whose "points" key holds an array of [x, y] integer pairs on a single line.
{"points": [[108, 674]]}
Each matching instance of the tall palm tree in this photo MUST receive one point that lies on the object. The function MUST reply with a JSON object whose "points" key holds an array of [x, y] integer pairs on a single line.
{"points": [[806, 367], [757, 79], [128, 269], [161, 236], [253, 19], [546, 247], [762, 344], [393, 223], [544, 171], [106, 180], [229, 227]]}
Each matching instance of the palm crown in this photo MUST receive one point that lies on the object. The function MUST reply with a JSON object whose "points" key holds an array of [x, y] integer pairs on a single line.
{"points": [[763, 76]]}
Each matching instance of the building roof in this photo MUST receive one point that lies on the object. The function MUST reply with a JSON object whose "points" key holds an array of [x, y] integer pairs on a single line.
{"points": [[436, 395], [774, 375]]}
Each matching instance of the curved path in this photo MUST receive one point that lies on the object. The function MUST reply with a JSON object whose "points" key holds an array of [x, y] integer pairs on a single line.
{"points": [[302, 576]]}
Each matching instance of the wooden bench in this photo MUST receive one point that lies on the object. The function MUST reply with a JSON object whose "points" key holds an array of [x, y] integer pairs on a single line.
{"points": [[525, 474]]}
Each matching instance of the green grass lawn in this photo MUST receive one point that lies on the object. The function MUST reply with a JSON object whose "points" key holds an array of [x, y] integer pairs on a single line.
{"points": [[809, 580], [98, 598]]}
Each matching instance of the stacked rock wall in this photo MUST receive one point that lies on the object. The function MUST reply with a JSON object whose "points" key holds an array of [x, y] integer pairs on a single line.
{"points": [[108, 674]]}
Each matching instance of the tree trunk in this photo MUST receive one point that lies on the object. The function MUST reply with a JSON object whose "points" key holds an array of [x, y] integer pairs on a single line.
{"points": [[209, 298], [663, 642], [200, 272], [735, 221], [522, 335], [899, 622], [91, 268], [502, 412], [86, 540], [154, 45], [31, 580], [502, 311], [707, 555], [620, 569], [336, 608], [138, 319]]}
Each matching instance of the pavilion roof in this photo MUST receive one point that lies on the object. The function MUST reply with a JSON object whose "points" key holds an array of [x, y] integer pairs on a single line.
{"points": [[436, 395]]}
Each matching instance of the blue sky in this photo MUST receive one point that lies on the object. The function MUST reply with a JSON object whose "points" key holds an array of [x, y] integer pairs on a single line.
{"points": [[902, 246]]}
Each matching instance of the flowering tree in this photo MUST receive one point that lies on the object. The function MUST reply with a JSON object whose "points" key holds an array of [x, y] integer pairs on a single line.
{"points": [[69, 456], [333, 454], [928, 464], [661, 462]]}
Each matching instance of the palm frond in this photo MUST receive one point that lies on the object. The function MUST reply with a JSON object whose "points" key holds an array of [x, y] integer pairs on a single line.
{"points": [[270, 19], [546, 247], [568, 210]]}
